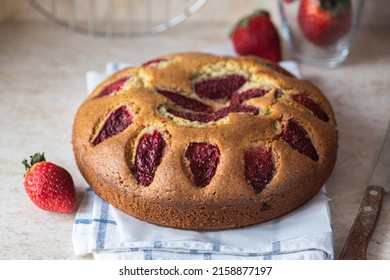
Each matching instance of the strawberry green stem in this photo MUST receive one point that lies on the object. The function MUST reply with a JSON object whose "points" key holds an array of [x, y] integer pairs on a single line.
{"points": [[35, 158], [244, 22], [336, 7]]}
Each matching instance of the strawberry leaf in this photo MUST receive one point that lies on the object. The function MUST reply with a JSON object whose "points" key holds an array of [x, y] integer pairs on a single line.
{"points": [[35, 158], [244, 22], [335, 7]]}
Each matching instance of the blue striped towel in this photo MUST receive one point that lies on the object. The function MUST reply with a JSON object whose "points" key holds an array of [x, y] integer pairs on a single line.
{"points": [[108, 233]]}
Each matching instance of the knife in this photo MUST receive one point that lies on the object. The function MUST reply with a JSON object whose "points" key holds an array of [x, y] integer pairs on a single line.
{"points": [[355, 247]]}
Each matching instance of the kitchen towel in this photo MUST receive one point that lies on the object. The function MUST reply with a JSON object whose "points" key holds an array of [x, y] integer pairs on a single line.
{"points": [[108, 233]]}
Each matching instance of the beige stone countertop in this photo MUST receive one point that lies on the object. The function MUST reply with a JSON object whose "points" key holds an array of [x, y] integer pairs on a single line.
{"points": [[42, 83]]}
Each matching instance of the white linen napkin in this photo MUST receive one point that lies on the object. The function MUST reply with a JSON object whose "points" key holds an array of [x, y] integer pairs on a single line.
{"points": [[108, 233]]}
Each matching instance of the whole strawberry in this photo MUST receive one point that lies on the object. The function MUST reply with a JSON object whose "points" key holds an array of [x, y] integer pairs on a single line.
{"points": [[257, 35], [324, 22], [49, 186]]}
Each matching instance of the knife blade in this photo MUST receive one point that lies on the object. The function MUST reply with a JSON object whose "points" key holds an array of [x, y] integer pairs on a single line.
{"points": [[363, 227]]}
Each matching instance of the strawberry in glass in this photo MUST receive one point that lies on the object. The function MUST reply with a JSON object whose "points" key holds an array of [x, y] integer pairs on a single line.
{"points": [[324, 22]]}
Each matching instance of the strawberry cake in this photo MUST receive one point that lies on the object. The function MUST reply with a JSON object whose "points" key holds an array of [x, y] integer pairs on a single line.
{"points": [[203, 142]]}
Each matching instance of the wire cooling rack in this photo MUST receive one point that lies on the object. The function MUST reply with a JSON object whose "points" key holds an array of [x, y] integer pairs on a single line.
{"points": [[117, 18]]}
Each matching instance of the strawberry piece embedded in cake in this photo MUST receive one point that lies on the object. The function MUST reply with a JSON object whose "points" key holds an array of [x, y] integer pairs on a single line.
{"points": [[221, 87], [203, 161], [149, 153], [259, 167], [116, 122]]}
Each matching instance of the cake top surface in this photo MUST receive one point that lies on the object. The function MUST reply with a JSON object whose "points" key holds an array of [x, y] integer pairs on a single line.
{"points": [[195, 129]]}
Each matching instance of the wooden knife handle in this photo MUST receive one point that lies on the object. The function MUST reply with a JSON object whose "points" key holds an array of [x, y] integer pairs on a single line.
{"points": [[355, 247]]}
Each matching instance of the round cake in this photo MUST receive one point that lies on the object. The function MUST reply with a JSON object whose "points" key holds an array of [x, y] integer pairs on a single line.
{"points": [[203, 142]]}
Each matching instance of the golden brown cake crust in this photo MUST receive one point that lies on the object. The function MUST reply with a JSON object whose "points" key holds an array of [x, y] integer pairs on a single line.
{"points": [[229, 200]]}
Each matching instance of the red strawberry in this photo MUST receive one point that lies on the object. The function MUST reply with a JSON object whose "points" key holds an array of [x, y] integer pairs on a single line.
{"points": [[219, 87], [324, 22], [259, 167], [185, 102], [116, 122], [296, 136], [311, 105], [113, 87], [49, 186], [153, 62], [257, 35], [203, 161], [149, 154]]}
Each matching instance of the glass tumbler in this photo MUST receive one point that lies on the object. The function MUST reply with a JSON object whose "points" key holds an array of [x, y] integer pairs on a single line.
{"points": [[320, 32]]}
